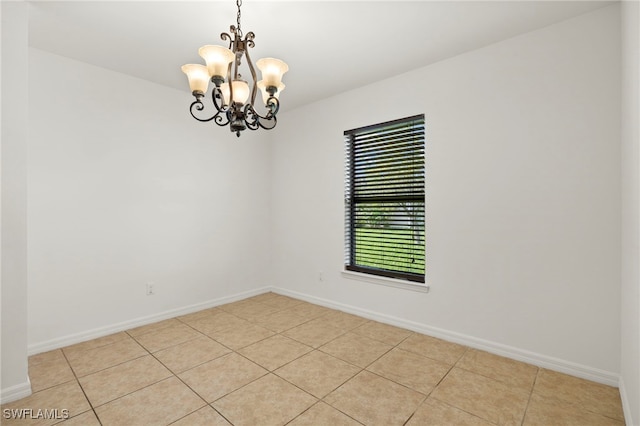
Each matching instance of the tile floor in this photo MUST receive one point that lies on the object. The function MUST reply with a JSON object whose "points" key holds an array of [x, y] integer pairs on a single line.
{"points": [[274, 360]]}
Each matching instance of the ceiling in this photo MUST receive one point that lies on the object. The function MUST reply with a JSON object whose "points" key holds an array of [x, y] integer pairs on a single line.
{"points": [[330, 46]]}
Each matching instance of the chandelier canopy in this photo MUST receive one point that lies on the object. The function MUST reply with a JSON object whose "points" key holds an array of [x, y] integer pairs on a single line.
{"points": [[232, 96]]}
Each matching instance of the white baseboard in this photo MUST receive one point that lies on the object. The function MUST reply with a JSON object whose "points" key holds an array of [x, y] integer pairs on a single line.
{"points": [[626, 408], [16, 392], [71, 339], [563, 366], [551, 363]]}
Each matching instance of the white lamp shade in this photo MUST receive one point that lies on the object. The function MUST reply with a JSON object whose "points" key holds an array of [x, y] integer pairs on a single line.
{"points": [[240, 91], [217, 59], [272, 70], [198, 77], [265, 94]]}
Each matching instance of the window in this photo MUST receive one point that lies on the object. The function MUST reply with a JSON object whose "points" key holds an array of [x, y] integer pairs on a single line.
{"points": [[384, 199]]}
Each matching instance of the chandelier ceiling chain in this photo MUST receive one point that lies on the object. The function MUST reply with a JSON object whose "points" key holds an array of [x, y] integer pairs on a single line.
{"points": [[239, 15], [232, 97]]}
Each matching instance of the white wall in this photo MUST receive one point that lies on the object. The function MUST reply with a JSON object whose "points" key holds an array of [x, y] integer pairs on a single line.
{"points": [[523, 196], [14, 382], [630, 309], [126, 188], [523, 199]]}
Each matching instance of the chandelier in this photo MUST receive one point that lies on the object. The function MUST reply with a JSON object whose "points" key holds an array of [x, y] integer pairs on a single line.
{"points": [[232, 96]]}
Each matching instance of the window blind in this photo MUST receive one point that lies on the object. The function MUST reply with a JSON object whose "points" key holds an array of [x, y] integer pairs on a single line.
{"points": [[385, 199]]}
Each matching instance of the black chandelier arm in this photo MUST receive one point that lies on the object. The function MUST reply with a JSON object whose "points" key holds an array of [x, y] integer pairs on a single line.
{"points": [[219, 119], [255, 120], [248, 39], [236, 31], [251, 117], [229, 116], [199, 106], [250, 110], [252, 124], [216, 94], [220, 116], [268, 124], [225, 36], [273, 104]]}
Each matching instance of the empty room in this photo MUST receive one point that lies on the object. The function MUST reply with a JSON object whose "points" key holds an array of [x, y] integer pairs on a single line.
{"points": [[320, 212]]}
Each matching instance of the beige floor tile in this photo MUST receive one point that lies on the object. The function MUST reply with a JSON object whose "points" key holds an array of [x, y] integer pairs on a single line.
{"points": [[487, 398], [275, 351], [67, 396], [317, 373], [356, 349], [95, 343], [190, 354], [323, 414], [591, 396], [434, 348], [54, 355], [344, 320], [543, 411], [85, 419], [129, 386], [266, 401], [281, 302], [223, 375], [374, 400], [262, 297], [46, 374], [417, 372], [511, 372], [139, 331], [309, 311], [96, 359], [256, 312], [114, 382], [436, 413], [158, 404], [385, 333], [281, 321], [216, 321], [239, 337], [240, 306], [167, 337], [206, 416], [194, 316], [314, 333]]}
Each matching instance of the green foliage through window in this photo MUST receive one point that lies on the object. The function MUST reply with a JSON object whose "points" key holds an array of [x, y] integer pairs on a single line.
{"points": [[385, 199]]}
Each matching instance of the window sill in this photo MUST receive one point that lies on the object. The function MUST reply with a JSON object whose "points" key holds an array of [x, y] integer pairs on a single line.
{"points": [[389, 282]]}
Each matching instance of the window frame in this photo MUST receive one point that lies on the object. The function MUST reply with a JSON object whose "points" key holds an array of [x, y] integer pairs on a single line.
{"points": [[352, 181]]}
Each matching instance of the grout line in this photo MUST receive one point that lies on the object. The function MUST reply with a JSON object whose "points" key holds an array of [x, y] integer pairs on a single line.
{"points": [[463, 410], [184, 383], [82, 389], [254, 320], [153, 330], [221, 415], [320, 401], [134, 391], [535, 380]]}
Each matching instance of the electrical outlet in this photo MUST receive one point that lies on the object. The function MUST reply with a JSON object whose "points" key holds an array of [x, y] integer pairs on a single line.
{"points": [[150, 289]]}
